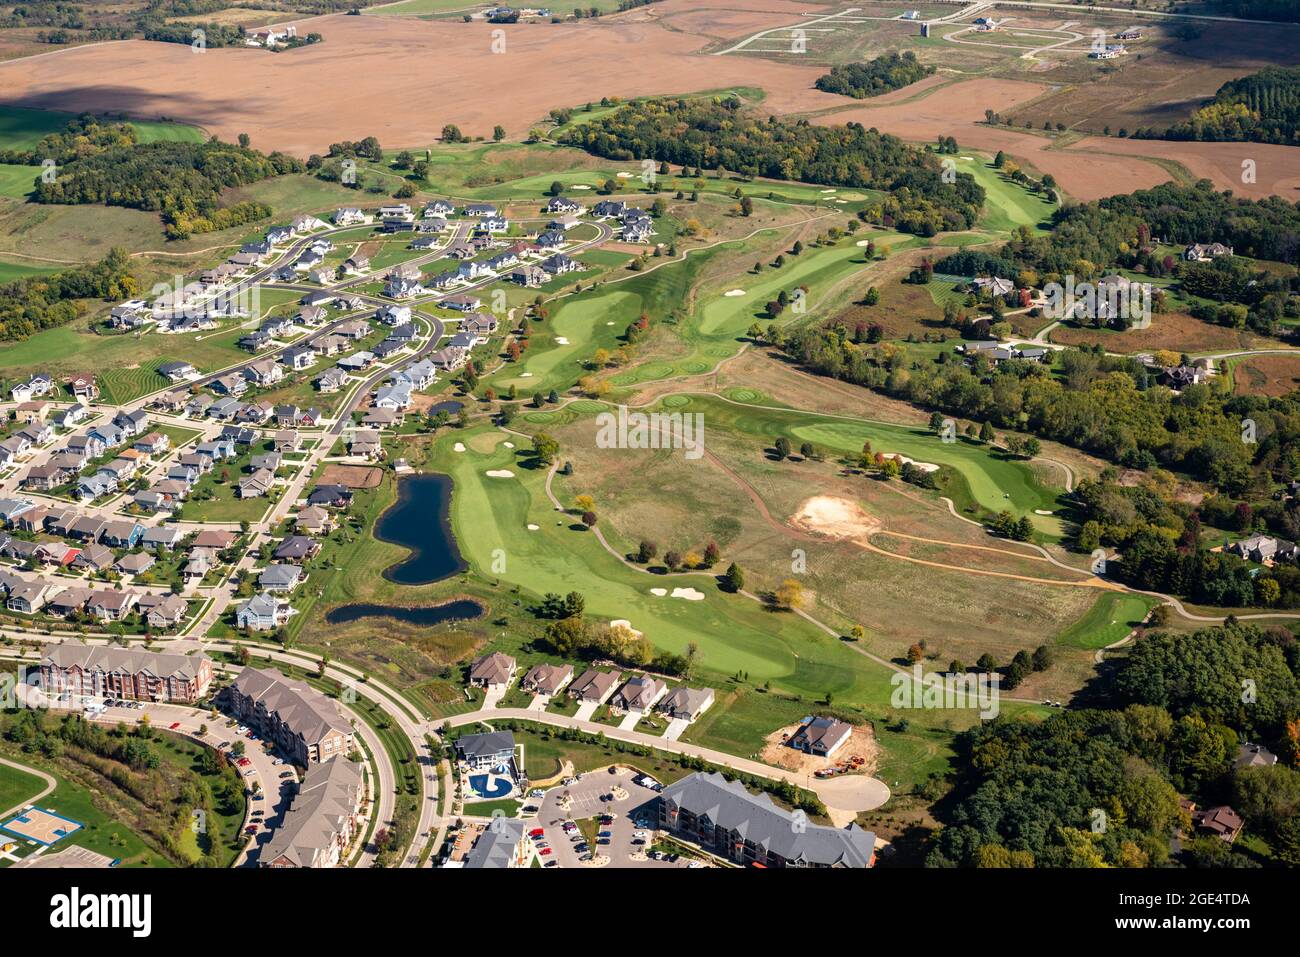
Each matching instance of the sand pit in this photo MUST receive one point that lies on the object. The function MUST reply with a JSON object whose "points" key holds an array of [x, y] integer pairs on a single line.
{"points": [[580, 186], [533, 528], [525, 375], [835, 518], [1042, 511], [904, 460], [561, 341], [458, 447], [659, 592], [509, 445], [734, 292], [690, 594], [353, 476], [499, 473]]}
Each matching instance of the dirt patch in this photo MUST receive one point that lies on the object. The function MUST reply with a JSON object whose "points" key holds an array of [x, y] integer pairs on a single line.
{"points": [[835, 518], [861, 743], [353, 476]]}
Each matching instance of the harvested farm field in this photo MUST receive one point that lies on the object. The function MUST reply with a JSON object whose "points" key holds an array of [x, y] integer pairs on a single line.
{"points": [[1267, 375], [335, 87], [1168, 330]]}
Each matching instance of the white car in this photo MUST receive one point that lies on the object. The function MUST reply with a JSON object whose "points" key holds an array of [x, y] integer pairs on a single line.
{"points": [[695, 864]]}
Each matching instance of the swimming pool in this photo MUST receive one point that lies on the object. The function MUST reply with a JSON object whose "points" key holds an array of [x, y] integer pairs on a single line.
{"points": [[490, 786]]}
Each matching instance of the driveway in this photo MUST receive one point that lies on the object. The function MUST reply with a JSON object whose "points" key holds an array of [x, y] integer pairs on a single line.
{"points": [[629, 721], [586, 710], [675, 728], [539, 702]]}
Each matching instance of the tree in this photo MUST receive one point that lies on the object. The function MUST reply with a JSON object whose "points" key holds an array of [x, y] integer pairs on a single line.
{"points": [[987, 435], [647, 551], [789, 594], [545, 448], [986, 663], [451, 134], [782, 447], [734, 579], [673, 560], [498, 133], [915, 653], [746, 206], [857, 633]]}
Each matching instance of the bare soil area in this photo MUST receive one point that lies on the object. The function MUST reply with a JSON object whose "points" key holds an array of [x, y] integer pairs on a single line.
{"points": [[861, 743], [353, 476]]}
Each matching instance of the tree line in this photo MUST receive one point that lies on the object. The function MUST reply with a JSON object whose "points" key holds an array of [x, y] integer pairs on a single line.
{"points": [[719, 134]]}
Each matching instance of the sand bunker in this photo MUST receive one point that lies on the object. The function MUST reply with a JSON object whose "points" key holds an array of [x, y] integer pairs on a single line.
{"points": [[734, 292], [660, 592], [1042, 511], [580, 186], [499, 473], [690, 594], [835, 518], [904, 460], [561, 341], [533, 528], [509, 445], [525, 375], [458, 447]]}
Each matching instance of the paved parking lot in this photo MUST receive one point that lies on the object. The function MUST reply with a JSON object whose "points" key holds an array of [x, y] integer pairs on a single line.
{"points": [[586, 803]]}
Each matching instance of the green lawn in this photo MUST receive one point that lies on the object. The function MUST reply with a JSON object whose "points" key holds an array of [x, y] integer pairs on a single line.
{"points": [[11, 270], [21, 128], [1007, 205], [1110, 619], [17, 787], [16, 181]]}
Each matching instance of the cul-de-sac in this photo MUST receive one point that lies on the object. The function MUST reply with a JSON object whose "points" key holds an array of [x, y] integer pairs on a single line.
{"points": [[656, 435]]}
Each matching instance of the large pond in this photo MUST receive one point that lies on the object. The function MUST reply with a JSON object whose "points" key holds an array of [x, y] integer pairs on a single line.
{"points": [[458, 610], [420, 520]]}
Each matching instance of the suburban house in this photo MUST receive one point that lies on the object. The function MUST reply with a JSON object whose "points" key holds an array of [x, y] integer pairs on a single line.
{"points": [[305, 723], [494, 671], [724, 818], [1204, 252], [134, 673], [1221, 822], [279, 578], [313, 519], [687, 703], [639, 693], [163, 611], [256, 485], [546, 679], [296, 549], [595, 686], [262, 612], [820, 736]]}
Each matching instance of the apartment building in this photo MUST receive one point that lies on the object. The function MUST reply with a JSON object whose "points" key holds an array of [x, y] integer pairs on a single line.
{"points": [[105, 671], [308, 726]]}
